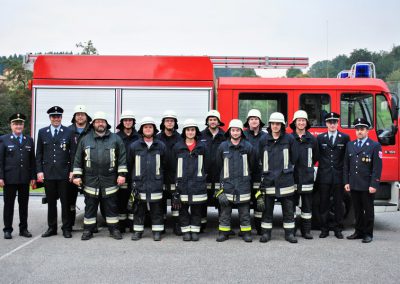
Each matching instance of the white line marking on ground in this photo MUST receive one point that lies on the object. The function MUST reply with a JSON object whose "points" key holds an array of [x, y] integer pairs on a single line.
{"points": [[25, 244]]}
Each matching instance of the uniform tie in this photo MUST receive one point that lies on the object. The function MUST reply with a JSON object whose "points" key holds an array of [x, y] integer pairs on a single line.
{"points": [[359, 143], [20, 139], [331, 139], [55, 132]]}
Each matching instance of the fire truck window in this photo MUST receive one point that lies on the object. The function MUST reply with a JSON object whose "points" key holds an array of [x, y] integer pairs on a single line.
{"points": [[316, 106], [383, 117], [266, 103], [356, 105]]}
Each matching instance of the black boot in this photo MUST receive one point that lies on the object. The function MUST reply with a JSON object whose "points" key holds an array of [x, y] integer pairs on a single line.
{"points": [[289, 236], [266, 236], [87, 235], [306, 229], [257, 225], [222, 236], [116, 234], [195, 237], [187, 237], [157, 236], [136, 236], [177, 228], [247, 237]]}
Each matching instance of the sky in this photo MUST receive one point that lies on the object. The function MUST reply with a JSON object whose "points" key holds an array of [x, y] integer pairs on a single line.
{"points": [[315, 29]]}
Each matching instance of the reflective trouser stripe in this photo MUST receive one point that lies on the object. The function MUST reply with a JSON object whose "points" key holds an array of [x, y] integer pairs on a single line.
{"points": [[89, 221], [217, 186], [158, 163], [224, 228], [242, 197], [203, 220], [175, 213], [257, 214], [245, 228], [195, 198], [157, 228], [130, 216], [265, 162], [209, 185], [153, 196], [180, 168], [286, 190], [138, 228], [91, 190], [199, 165], [256, 185], [87, 158], [111, 190], [185, 229], [111, 220], [122, 217], [307, 187], [137, 165], [173, 186], [288, 225], [245, 165], [266, 225], [77, 171], [285, 159], [195, 229], [309, 162], [226, 168], [270, 190], [124, 186], [306, 215]]}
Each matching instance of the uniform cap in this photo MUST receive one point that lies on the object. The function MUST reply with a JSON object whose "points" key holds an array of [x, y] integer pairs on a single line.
{"points": [[361, 122], [17, 117], [332, 116], [55, 110]]}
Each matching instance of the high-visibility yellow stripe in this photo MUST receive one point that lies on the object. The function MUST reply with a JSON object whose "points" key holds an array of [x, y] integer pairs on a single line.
{"points": [[286, 190], [137, 165], [158, 164], [199, 165], [226, 168], [124, 186], [175, 213], [173, 186], [245, 165], [217, 186], [195, 229], [180, 168], [224, 228], [130, 216], [157, 228], [77, 171], [270, 190], [122, 217], [89, 221], [185, 229], [111, 220], [306, 215], [138, 228], [204, 220], [112, 157], [285, 159], [122, 169], [245, 228], [111, 190], [307, 187], [265, 162], [257, 214], [258, 193], [91, 190]]}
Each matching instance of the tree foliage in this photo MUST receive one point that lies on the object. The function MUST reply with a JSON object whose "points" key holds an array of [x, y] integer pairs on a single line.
{"points": [[87, 48], [293, 72]]}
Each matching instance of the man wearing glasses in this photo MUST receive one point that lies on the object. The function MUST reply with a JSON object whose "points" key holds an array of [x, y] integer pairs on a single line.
{"points": [[332, 147]]}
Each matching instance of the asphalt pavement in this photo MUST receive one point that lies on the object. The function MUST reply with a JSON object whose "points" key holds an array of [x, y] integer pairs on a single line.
{"points": [[105, 260]]}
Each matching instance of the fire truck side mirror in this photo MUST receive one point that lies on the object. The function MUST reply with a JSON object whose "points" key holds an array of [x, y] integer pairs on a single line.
{"points": [[394, 101]]}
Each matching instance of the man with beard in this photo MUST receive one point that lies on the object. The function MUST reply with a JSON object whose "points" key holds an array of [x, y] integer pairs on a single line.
{"points": [[128, 134], [332, 148], [100, 167], [212, 136], [304, 169], [279, 155], [170, 137], [80, 127], [255, 134], [53, 163], [236, 159], [17, 172], [146, 164]]}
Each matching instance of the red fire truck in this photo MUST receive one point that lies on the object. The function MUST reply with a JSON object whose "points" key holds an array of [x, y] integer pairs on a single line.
{"points": [[149, 85]]}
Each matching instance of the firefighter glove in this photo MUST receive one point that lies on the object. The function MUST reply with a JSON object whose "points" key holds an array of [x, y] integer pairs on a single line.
{"points": [[176, 201], [260, 201], [222, 199]]}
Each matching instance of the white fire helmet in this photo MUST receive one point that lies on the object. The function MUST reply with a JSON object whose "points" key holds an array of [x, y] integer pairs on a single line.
{"points": [[216, 114], [277, 117]]}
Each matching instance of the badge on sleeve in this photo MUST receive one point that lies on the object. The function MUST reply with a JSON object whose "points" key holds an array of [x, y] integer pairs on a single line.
{"points": [[380, 154]]}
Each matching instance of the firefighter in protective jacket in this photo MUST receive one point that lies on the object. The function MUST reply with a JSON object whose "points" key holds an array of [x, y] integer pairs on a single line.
{"points": [[190, 157], [279, 155], [100, 167], [146, 164], [307, 146], [236, 159]]}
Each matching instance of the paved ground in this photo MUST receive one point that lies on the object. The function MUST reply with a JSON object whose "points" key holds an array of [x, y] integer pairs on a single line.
{"points": [[105, 260]]}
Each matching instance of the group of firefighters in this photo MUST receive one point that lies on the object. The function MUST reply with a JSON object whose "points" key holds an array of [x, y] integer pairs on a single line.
{"points": [[131, 174]]}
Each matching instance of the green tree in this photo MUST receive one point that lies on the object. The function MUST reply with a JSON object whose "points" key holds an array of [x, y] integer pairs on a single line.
{"points": [[87, 48], [394, 76], [293, 72]]}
